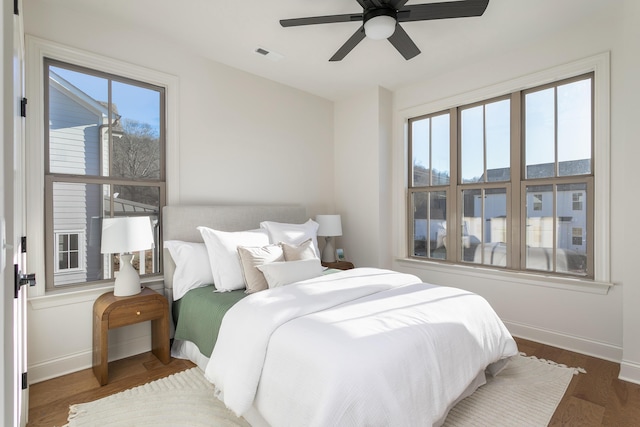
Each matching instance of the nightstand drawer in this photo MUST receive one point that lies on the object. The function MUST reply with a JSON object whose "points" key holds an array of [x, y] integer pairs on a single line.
{"points": [[136, 312]]}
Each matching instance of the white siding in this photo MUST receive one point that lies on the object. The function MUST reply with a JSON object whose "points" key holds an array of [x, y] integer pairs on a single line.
{"points": [[75, 149], [74, 137]]}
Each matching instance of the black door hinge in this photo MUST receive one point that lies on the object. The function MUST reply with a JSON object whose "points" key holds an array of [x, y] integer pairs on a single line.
{"points": [[25, 384], [16, 11], [23, 244], [23, 107], [22, 279]]}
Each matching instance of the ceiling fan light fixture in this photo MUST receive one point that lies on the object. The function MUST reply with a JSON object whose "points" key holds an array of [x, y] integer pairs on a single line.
{"points": [[381, 25]]}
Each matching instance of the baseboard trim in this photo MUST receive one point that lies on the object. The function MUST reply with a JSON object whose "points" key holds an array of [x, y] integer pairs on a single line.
{"points": [[629, 371], [567, 342], [83, 360]]}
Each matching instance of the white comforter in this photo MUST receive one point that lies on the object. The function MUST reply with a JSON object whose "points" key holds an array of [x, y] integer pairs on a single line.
{"points": [[361, 347]]}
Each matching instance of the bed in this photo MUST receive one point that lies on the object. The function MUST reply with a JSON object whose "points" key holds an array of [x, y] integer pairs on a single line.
{"points": [[365, 346]]}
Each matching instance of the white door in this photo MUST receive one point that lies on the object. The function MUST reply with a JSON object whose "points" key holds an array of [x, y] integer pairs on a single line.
{"points": [[11, 223], [21, 392]]}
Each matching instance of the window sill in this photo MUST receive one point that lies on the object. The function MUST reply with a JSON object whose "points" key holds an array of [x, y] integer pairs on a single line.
{"points": [[549, 281], [78, 296]]}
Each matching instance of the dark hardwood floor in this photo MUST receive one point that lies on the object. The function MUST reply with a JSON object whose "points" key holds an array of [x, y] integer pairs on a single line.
{"points": [[596, 398]]}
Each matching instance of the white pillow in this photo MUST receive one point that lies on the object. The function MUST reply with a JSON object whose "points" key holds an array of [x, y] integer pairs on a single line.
{"points": [[251, 258], [222, 247], [285, 273], [293, 234], [193, 269]]}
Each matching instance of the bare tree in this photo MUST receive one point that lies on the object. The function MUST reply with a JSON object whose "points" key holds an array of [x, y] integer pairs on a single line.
{"points": [[136, 154]]}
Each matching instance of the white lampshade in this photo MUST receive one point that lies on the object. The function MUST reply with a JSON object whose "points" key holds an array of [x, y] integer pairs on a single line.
{"points": [[330, 225], [126, 234], [380, 27], [123, 236]]}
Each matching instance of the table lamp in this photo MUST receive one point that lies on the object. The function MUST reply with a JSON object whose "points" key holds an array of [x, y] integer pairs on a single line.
{"points": [[330, 226], [123, 236]]}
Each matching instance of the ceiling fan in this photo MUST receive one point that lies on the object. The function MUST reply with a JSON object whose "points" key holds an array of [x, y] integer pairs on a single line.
{"points": [[381, 20]]}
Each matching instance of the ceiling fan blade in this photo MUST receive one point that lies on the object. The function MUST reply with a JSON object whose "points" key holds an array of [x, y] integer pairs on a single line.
{"points": [[397, 4], [321, 20], [401, 41], [353, 41], [444, 10]]}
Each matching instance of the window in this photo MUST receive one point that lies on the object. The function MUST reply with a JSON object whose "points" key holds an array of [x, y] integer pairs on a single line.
{"points": [[68, 253], [577, 201], [430, 170], [104, 157], [537, 202], [513, 187]]}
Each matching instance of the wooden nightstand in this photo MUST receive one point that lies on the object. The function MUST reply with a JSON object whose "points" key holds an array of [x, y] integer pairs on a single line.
{"points": [[340, 265], [111, 312]]}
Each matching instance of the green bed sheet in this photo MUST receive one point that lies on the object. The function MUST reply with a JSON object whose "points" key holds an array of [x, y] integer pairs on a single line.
{"points": [[199, 313]]}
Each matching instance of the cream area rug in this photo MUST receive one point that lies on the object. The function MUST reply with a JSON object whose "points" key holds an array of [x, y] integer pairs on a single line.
{"points": [[525, 393]]}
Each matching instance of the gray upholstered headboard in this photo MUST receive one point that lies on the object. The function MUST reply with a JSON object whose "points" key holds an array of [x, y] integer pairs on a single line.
{"points": [[180, 222]]}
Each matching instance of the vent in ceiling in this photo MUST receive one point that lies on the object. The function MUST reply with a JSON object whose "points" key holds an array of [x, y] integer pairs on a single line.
{"points": [[274, 56]]}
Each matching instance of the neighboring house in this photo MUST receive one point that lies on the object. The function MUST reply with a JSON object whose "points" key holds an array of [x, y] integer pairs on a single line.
{"points": [[78, 129], [570, 214]]}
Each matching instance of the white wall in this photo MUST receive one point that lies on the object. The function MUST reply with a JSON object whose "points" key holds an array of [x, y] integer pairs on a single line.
{"points": [[363, 176], [242, 139], [627, 157]]}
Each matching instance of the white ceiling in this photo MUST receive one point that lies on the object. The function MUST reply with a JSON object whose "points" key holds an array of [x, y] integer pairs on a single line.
{"points": [[230, 31]]}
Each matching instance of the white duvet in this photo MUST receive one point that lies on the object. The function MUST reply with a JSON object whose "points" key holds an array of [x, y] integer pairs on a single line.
{"points": [[364, 347]]}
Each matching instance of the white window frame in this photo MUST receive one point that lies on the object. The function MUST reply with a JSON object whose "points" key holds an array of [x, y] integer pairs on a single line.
{"points": [[38, 49], [600, 66], [56, 265]]}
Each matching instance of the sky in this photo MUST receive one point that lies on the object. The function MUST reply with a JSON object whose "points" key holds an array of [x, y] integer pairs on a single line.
{"points": [[487, 127], [133, 102]]}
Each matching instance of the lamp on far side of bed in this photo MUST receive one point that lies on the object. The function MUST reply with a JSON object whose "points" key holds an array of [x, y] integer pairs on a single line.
{"points": [[123, 236], [330, 226]]}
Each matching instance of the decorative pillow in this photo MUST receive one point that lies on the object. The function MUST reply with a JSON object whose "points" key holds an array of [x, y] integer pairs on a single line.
{"points": [[251, 258], [298, 252], [222, 248], [193, 269], [285, 273], [293, 234]]}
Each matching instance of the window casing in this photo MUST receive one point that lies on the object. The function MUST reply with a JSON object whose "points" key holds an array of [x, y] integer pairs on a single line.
{"points": [[104, 156], [522, 159]]}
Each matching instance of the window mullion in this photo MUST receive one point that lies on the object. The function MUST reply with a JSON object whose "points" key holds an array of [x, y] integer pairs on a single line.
{"points": [[484, 143], [590, 209], [109, 125], [555, 132], [430, 148], [554, 223], [514, 218], [428, 247], [454, 194]]}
